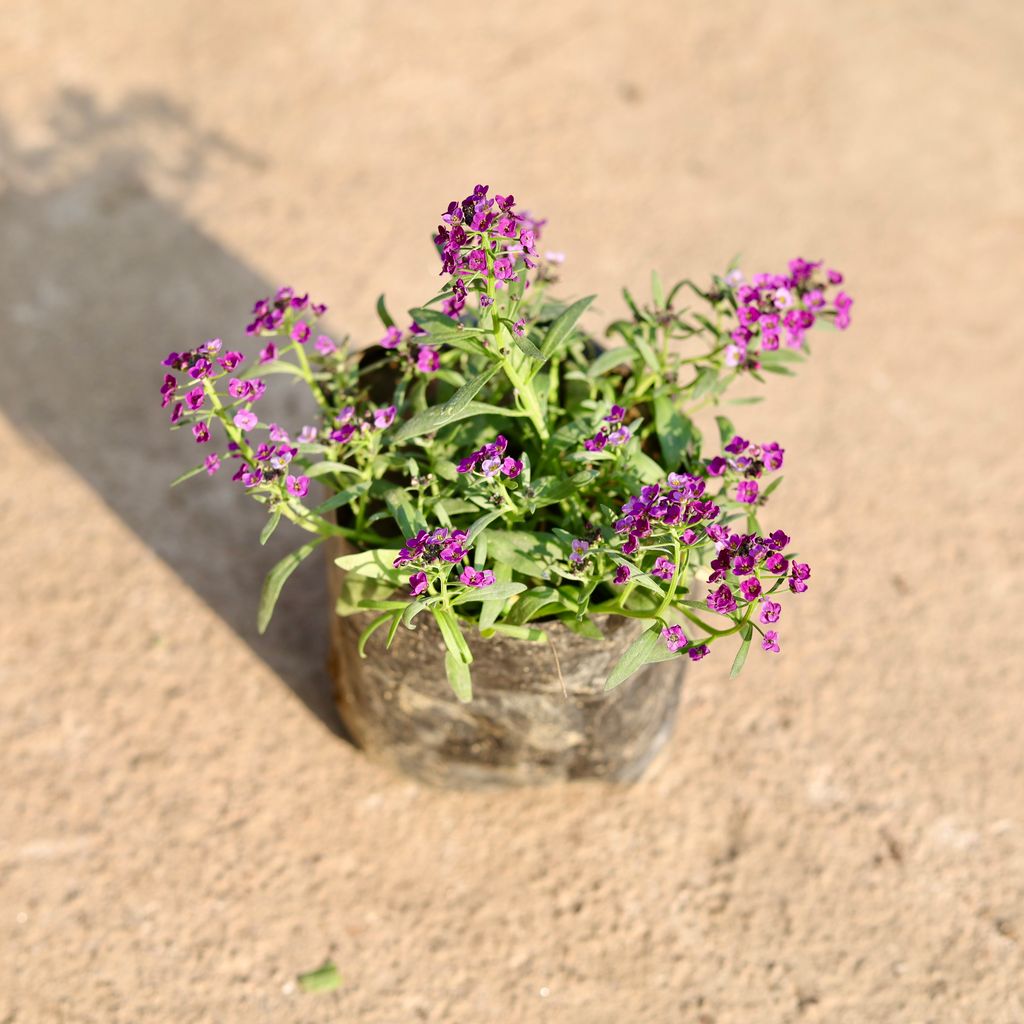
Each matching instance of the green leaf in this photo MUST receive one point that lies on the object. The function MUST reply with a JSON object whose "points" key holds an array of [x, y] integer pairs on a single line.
{"points": [[342, 498], [275, 580], [375, 564], [646, 649], [524, 344], [771, 487], [741, 655], [726, 431], [642, 345], [496, 592], [460, 679], [647, 469], [531, 554], [270, 526], [657, 291], [705, 381], [188, 474], [536, 603], [439, 325], [359, 593], [558, 333], [492, 605], [438, 416], [276, 366], [322, 468], [382, 311], [609, 360], [402, 510], [482, 524], [452, 634], [323, 979], [675, 431], [369, 631], [530, 633]]}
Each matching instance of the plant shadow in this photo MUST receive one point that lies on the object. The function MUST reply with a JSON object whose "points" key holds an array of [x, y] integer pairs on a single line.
{"points": [[101, 274]]}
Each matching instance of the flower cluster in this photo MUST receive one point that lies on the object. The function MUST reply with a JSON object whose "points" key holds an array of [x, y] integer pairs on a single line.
{"points": [[771, 304], [425, 358], [748, 461], [439, 547], [491, 460], [615, 434], [677, 504], [347, 424], [269, 314], [484, 235], [676, 640]]}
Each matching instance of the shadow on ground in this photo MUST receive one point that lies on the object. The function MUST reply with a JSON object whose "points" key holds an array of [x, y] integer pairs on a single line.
{"points": [[101, 276]]}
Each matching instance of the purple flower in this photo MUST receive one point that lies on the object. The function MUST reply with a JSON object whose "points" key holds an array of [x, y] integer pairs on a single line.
{"points": [[688, 536], [503, 268], [474, 578], [698, 652], [770, 641], [834, 277], [298, 486], [748, 315], [453, 551], [194, 399], [776, 563], [778, 540], [383, 418], [621, 575], [176, 413], [746, 492], [212, 463], [750, 588], [200, 369], [722, 600], [616, 415], [307, 435], [770, 611], [737, 445], [772, 455], [519, 327], [597, 442], [664, 569], [674, 637], [342, 434], [511, 467], [801, 571], [427, 360], [619, 437], [245, 419], [201, 432], [717, 466], [579, 551], [268, 352], [300, 332], [230, 360], [392, 339], [797, 586], [418, 583], [325, 346]]}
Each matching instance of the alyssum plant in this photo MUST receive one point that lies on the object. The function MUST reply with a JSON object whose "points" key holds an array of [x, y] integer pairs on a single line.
{"points": [[498, 468]]}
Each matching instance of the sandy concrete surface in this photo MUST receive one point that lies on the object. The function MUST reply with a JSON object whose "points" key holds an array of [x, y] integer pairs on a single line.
{"points": [[837, 836]]}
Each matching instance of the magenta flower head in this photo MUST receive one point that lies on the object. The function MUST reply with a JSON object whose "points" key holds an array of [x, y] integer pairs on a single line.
{"points": [[664, 569], [245, 419], [194, 399], [770, 641], [750, 588], [427, 360], [383, 418], [201, 432], [722, 600], [621, 575], [674, 637], [579, 551], [298, 486], [212, 463], [392, 339], [698, 652], [511, 467], [300, 332], [770, 611], [476, 578], [418, 583], [325, 346], [519, 327], [746, 492]]}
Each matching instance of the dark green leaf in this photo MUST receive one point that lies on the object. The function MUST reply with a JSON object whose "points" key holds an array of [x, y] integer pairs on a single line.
{"points": [[275, 580], [344, 497], [402, 510], [439, 416], [609, 360], [741, 655], [459, 677], [726, 431], [675, 431], [270, 526], [646, 649], [382, 311], [558, 333]]}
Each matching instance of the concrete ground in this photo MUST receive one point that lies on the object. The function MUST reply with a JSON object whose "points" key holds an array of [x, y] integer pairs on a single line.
{"points": [[837, 836]]}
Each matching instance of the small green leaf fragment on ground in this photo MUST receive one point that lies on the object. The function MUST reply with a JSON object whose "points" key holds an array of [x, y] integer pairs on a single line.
{"points": [[323, 979]]}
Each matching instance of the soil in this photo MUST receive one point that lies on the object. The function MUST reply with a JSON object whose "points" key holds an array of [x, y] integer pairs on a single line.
{"points": [[837, 836]]}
